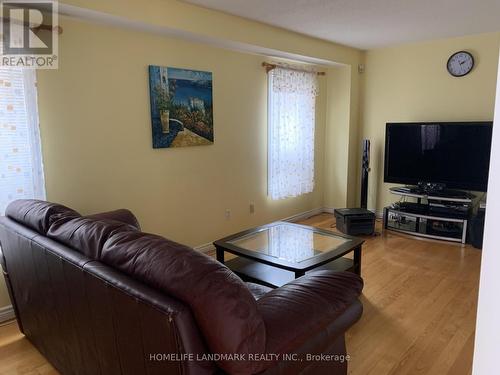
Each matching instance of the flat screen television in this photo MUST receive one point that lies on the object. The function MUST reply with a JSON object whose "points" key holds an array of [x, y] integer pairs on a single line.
{"points": [[456, 154]]}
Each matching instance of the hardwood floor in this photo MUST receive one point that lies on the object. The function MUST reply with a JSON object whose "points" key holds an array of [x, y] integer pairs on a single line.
{"points": [[419, 311], [420, 299], [18, 356]]}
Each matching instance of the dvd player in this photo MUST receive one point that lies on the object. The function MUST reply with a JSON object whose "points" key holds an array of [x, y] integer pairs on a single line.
{"points": [[411, 207], [458, 212]]}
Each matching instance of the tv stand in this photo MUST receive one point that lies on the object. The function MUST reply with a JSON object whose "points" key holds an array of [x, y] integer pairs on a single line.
{"points": [[441, 214]]}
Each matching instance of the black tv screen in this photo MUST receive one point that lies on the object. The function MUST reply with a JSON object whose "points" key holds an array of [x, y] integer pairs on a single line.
{"points": [[456, 154]]}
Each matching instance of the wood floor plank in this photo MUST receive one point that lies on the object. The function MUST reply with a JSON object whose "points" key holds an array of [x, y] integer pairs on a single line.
{"points": [[18, 355], [420, 300]]}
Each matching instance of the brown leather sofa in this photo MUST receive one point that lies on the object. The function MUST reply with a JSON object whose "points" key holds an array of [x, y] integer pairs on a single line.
{"points": [[97, 296]]}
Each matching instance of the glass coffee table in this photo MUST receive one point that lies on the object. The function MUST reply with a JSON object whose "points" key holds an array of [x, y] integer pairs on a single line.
{"points": [[276, 253]]}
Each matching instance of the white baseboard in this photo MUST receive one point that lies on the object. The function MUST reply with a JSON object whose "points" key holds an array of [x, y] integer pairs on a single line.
{"points": [[379, 214], [7, 313], [304, 215]]}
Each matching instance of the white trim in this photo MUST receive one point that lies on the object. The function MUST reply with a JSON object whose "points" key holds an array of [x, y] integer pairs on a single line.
{"points": [[7, 313], [304, 215], [379, 214]]}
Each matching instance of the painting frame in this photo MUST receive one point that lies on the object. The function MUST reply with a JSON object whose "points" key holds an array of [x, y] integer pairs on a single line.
{"points": [[181, 104]]}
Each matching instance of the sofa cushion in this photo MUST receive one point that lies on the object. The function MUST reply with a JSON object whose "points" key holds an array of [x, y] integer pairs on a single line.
{"points": [[224, 309], [84, 234], [123, 215], [36, 214]]}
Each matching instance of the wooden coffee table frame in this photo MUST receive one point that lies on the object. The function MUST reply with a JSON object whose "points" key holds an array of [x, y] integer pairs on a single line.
{"points": [[271, 271]]}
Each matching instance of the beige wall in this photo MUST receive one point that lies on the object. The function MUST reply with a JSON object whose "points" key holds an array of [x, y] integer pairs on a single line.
{"points": [[411, 83], [188, 19], [96, 136], [96, 130]]}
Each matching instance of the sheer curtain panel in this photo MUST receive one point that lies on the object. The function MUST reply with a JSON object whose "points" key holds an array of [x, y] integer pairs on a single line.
{"points": [[21, 167], [291, 121]]}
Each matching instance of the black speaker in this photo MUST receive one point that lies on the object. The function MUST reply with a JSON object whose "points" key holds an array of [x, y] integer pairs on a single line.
{"points": [[476, 229], [365, 168]]}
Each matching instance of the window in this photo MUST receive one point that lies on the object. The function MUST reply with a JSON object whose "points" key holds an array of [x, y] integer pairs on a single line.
{"points": [[291, 121], [21, 169]]}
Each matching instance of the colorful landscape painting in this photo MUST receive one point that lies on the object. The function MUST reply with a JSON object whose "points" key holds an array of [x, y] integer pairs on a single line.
{"points": [[181, 107]]}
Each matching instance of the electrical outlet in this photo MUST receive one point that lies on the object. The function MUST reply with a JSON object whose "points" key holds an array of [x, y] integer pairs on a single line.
{"points": [[228, 214], [252, 208]]}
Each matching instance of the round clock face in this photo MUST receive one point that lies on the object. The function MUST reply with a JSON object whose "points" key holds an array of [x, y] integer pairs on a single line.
{"points": [[460, 63]]}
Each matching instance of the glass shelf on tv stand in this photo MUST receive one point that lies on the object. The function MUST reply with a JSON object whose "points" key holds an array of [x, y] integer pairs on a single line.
{"points": [[464, 198]]}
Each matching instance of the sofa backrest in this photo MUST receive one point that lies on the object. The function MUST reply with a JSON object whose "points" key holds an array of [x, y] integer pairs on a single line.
{"points": [[123, 215], [85, 316], [36, 214], [88, 318], [85, 234], [224, 309]]}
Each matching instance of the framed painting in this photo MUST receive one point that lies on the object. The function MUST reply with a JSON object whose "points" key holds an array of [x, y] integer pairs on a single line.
{"points": [[181, 107]]}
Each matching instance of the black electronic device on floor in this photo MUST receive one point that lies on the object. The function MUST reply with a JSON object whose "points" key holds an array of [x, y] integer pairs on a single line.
{"points": [[355, 221], [358, 221], [365, 168], [476, 229]]}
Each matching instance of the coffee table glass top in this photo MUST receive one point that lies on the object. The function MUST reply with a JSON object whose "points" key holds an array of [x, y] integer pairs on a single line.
{"points": [[290, 242]]}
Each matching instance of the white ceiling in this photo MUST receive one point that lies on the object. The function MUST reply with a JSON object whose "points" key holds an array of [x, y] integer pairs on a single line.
{"points": [[369, 24]]}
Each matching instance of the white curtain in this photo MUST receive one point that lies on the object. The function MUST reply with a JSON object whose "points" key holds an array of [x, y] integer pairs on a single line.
{"points": [[21, 167], [291, 120]]}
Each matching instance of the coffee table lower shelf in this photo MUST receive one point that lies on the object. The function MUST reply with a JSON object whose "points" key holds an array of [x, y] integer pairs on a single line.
{"points": [[259, 273]]}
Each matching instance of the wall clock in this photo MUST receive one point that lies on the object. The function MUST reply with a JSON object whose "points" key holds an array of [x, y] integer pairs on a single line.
{"points": [[460, 63]]}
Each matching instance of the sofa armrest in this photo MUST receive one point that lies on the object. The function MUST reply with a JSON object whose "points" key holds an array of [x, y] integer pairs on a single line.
{"points": [[299, 310]]}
